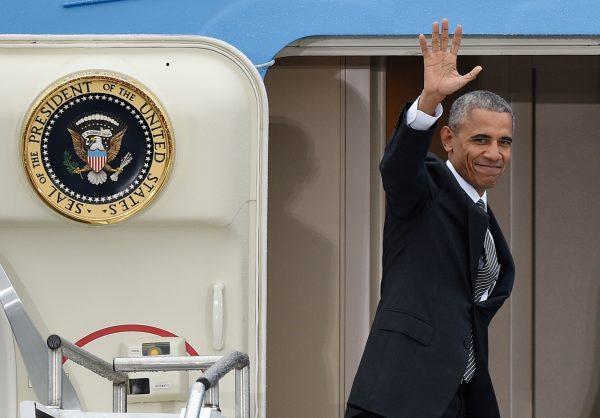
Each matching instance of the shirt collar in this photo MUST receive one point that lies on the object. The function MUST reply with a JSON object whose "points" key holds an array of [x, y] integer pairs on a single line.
{"points": [[469, 190]]}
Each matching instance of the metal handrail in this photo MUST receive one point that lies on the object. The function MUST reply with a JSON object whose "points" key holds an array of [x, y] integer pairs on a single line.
{"points": [[213, 367], [234, 360], [59, 347], [168, 364], [86, 359], [204, 363], [163, 363]]}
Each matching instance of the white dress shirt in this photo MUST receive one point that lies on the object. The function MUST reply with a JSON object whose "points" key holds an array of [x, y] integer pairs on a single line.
{"points": [[421, 121]]}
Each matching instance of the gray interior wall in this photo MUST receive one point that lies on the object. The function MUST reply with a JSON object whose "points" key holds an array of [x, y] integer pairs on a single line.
{"points": [[358, 216], [521, 241], [567, 243], [304, 364]]}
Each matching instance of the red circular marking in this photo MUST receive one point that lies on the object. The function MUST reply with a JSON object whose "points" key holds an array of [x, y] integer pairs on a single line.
{"points": [[130, 328]]}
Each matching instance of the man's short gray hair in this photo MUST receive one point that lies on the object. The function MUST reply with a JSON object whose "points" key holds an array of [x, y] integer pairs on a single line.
{"points": [[478, 99]]}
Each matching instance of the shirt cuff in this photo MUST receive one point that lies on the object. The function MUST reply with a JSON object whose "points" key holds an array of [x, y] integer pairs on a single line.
{"points": [[421, 121]]}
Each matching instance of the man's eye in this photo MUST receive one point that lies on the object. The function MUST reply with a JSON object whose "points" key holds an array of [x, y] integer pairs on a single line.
{"points": [[506, 143]]}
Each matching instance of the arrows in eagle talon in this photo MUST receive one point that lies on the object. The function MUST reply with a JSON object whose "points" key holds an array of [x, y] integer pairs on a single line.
{"points": [[124, 161]]}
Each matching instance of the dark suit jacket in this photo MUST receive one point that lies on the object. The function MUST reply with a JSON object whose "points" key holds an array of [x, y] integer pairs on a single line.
{"points": [[416, 353]]}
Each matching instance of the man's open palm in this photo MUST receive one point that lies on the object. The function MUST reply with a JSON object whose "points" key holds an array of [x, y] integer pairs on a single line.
{"points": [[440, 75]]}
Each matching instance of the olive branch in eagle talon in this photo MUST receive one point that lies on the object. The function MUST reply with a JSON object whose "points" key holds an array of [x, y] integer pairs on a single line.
{"points": [[68, 162], [81, 147]]}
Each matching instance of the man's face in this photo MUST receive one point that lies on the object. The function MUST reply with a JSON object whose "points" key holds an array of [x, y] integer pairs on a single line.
{"points": [[480, 150]]}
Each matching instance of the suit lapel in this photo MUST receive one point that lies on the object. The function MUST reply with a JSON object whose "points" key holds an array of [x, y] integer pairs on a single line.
{"points": [[478, 222]]}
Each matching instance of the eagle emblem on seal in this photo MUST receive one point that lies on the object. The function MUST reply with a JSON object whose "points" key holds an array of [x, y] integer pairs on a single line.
{"points": [[97, 139]]}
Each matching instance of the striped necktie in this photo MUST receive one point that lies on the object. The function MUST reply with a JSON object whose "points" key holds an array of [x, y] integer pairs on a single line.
{"points": [[487, 274]]}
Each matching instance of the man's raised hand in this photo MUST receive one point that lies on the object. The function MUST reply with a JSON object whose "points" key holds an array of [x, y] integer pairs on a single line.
{"points": [[439, 66]]}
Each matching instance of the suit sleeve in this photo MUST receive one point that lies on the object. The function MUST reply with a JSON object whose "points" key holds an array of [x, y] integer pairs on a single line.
{"points": [[402, 167]]}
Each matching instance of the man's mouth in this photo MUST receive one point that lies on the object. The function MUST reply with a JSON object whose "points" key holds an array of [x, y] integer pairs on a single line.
{"points": [[488, 169]]}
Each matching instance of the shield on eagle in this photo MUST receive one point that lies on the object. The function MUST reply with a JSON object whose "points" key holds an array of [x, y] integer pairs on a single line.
{"points": [[96, 159], [95, 143]]}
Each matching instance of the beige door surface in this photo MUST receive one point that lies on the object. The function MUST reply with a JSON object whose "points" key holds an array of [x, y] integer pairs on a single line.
{"points": [[158, 268]]}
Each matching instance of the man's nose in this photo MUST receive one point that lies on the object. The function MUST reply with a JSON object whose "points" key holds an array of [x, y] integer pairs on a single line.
{"points": [[492, 152]]}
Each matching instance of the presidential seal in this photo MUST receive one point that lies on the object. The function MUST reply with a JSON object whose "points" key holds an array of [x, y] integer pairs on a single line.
{"points": [[97, 147]]}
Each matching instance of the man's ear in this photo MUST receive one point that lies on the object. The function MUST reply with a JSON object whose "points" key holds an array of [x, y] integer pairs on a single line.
{"points": [[447, 136]]}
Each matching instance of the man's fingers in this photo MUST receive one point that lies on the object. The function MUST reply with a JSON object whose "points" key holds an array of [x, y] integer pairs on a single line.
{"points": [[475, 72], [424, 46], [456, 40], [444, 35], [435, 36], [471, 75]]}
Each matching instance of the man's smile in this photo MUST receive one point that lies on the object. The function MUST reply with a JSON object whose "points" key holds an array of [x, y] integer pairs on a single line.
{"points": [[488, 169]]}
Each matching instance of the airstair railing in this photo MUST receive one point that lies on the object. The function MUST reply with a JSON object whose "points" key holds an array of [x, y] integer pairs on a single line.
{"points": [[214, 367], [232, 361], [205, 391], [59, 347]]}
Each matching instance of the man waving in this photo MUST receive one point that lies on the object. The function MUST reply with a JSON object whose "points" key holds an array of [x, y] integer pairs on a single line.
{"points": [[446, 266]]}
